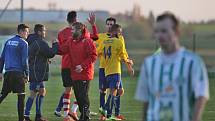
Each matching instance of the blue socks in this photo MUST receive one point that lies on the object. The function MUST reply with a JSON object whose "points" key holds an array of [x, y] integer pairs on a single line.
{"points": [[109, 105], [29, 104], [102, 99], [117, 105], [39, 102], [60, 104]]}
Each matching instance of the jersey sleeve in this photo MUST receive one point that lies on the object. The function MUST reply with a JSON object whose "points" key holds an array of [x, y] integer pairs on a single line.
{"points": [[142, 91], [94, 35], [123, 54], [99, 45], [99, 50], [200, 80], [123, 42]]}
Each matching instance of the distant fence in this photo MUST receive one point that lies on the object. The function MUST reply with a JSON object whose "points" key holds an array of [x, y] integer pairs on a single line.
{"points": [[204, 45]]}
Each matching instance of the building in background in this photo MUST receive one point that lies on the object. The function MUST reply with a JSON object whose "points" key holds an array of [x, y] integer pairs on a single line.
{"points": [[32, 15]]}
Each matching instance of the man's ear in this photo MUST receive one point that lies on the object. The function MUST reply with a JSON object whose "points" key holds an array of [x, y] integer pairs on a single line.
{"points": [[84, 31], [178, 32]]}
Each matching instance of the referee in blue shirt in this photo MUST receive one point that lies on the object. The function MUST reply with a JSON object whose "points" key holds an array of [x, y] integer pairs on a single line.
{"points": [[14, 59]]}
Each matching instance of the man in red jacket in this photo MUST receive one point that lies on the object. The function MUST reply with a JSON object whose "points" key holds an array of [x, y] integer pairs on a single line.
{"points": [[63, 36], [82, 53]]}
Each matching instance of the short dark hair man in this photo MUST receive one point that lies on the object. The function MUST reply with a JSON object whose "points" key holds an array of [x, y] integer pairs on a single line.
{"points": [[173, 83], [15, 59], [39, 55]]}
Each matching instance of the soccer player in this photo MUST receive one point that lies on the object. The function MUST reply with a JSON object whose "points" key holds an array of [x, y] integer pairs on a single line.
{"points": [[39, 55], [63, 36], [14, 58], [113, 50], [82, 53], [173, 83], [102, 80]]}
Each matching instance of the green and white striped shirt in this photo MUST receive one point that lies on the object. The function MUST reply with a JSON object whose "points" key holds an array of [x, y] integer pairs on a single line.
{"points": [[171, 83]]}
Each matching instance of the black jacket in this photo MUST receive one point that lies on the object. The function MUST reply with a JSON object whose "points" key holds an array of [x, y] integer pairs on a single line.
{"points": [[39, 54]]}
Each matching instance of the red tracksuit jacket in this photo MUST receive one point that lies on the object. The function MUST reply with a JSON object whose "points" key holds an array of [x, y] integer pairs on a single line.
{"points": [[66, 34], [81, 52]]}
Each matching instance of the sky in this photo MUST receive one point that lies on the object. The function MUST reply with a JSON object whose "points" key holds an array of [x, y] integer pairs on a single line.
{"points": [[187, 10]]}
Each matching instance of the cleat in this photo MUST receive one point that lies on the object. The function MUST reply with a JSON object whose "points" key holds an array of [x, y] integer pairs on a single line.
{"points": [[74, 116], [58, 114], [120, 117], [102, 118], [103, 112], [111, 119], [40, 119], [26, 118], [93, 114], [68, 118]]}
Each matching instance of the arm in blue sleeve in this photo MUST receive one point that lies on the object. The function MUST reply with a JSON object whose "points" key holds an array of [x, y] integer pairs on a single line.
{"points": [[25, 59]]}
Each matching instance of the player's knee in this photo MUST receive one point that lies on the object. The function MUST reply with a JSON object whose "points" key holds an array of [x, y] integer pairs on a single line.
{"points": [[104, 91], [42, 91], [114, 92], [121, 92], [68, 90]]}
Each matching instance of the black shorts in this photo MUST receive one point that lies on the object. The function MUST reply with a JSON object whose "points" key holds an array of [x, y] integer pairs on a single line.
{"points": [[66, 77], [13, 82]]}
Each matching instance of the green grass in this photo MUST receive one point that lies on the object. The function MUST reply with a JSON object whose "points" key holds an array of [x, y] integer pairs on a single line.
{"points": [[129, 107]]}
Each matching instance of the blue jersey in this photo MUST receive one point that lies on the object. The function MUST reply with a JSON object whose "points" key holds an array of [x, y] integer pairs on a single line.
{"points": [[15, 56]]}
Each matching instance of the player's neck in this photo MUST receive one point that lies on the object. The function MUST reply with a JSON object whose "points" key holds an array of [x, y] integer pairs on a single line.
{"points": [[20, 35], [171, 49]]}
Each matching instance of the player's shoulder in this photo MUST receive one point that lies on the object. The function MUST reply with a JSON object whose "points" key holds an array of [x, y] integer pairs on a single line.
{"points": [[63, 30], [121, 37], [20, 40], [152, 57], [192, 56], [103, 35]]}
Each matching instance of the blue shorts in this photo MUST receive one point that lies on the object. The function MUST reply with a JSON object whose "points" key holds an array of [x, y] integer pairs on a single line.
{"points": [[114, 81], [36, 85], [102, 79]]}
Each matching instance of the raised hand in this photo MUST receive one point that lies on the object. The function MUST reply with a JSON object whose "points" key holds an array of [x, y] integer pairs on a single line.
{"points": [[92, 18]]}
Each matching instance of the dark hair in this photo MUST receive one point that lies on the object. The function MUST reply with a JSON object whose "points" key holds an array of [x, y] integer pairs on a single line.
{"points": [[111, 19], [38, 27], [71, 16], [172, 17], [22, 27], [115, 27]]}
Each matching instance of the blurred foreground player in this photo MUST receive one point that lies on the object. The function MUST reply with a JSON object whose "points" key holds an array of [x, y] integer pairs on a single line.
{"points": [[173, 84]]}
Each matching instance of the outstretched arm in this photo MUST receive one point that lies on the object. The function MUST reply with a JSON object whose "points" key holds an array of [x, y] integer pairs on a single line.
{"points": [[47, 51], [92, 21]]}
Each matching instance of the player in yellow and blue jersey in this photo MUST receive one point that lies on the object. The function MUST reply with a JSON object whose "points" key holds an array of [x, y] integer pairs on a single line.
{"points": [[113, 51], [102, 81]]}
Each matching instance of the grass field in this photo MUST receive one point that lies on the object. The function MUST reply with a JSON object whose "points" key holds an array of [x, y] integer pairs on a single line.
{"points": [[129, 107]]}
